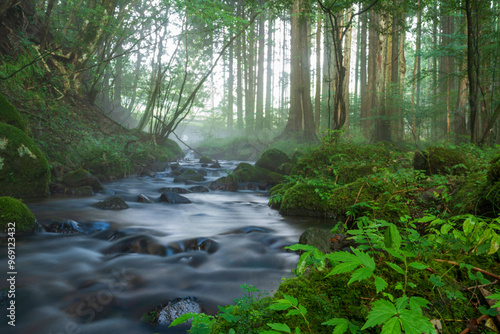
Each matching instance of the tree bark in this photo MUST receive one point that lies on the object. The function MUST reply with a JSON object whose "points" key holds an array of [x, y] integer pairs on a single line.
{"points": [[269, 72], [364, 96], [382, 128], [259, 111], [317, 99]]}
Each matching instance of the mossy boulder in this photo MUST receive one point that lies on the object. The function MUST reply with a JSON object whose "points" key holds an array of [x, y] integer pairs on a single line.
{"points": [[9, 115], [189, 175], [246, 172], [440, 160], [272, 159], [14, 211], [319, 238], [24, 170], [305, 200], [205, 160], [285, 169], [82, 178], [274, 178]]}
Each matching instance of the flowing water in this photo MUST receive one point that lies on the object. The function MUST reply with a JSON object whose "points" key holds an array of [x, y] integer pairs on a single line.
{"points": [[122, 264]]}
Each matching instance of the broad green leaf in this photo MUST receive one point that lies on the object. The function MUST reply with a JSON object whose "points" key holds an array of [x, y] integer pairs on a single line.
{"points": [[302, 309], [396, 267], [415, 323], [469, 225], [380, 284], [426, 218], [401, 303], [382, 311], [392, 327], [293, 312], [343, 257], [445, 229], [365, 259], [297, 247], [231, 331], [416, 304], [495, 244], [280, 327], [392, 238], [418, 265], [341, 325], [344, 267], [292, 300], [360, 274], [396, 253]]}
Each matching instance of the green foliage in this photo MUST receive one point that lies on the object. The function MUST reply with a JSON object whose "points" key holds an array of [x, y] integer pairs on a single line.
{"points": [[15, 214], [9, 115]]}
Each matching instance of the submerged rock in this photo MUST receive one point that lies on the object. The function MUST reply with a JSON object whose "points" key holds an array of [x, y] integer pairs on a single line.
{"points": [[173, 198], [141, 244], [189, 175], [111, 203], [199, 189], [80, 191], [177, 190], [144, 199]]}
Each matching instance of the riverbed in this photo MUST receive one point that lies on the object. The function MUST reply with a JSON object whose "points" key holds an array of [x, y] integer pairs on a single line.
{"points": [[121, 264]]}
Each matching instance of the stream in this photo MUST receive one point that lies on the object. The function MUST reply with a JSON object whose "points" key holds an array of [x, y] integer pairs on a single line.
{"points": [[121, 264]]}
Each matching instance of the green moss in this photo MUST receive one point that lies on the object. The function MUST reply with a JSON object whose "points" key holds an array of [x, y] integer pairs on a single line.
{"points": [[441, 160], [494, 170], [468, 194], [14, 211], [246, 172], [285, 169], [9, 115], [205, 160], [305, 200], [272, 159], [24, 171], [189, 175], [274, 178]]}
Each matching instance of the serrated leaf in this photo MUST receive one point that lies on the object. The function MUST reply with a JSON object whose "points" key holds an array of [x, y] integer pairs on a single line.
{"points": [[391, 327], [343, 257], [302, 309], [344, 267], [360, 274], [496, 297], [341, 325], [416, 304], [414, 323], [382, 311], [401, 303], [280, 327], [297, 247], [365, 259], [418, 265], [380, 284], [293, 312], [392, 238], [495, 244], [396, 267], [292, 300], [395, 253]]}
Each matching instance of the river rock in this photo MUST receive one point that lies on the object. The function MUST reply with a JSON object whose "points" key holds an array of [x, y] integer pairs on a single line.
{"points": [[140, 244], [64, 226], [199, 189], [24, 170], [144, 199], [197, 244], [215, 165], [177, 190], [319, 238], [177, 307], [81, 178], [189, 175], [272, 159], [79, 191], [173, 198], [111, 203]]}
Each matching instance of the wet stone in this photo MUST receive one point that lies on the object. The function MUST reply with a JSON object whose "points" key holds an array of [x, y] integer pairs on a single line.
{"points": [[178, 307], [111, 203], [177, 190], [144, 199], [199, 189], [173, 198]]}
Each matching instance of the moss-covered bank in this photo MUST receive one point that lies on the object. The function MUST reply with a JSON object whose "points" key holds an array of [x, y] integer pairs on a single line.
{"points": [[14, 214]]}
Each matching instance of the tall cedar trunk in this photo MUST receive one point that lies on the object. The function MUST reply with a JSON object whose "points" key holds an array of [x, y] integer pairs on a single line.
{"points": [[399, 136], [372, 63], [382, 129], [301, 118], [356, 63], [393, 80], [259, 111], [269, 73], [435, 126], [317, 98], [416, 66], [230, 91], [365, 111], [239, 74], [347, 66], [283, 73], [459, 119], [327, 76], [472, 67]]}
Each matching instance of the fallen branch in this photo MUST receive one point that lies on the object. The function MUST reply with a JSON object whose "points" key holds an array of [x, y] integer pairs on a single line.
{"points": [[475, 268]]}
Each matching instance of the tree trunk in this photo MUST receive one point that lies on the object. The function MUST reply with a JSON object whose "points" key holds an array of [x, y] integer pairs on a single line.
{"points": [[239, 74], [382, 129], [269, 73], [372, 63], [259, 112], [415, 71], [230, 91], [472, 67], [250, 83], [365, 111], [317, 99], [347, 65]]}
